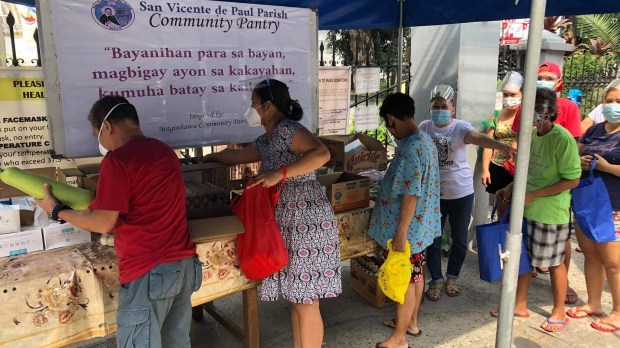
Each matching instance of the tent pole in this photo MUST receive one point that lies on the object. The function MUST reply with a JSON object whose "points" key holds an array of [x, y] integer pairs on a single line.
{"points": [[399, 79], [503, 337]]}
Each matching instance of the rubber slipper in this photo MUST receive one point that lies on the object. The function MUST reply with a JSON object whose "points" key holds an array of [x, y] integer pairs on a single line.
{"points": [[574, 313], [542, 270], [571, 296], [495, 313], [391, 323], [378, 345], [551, 322], [598, 325]]}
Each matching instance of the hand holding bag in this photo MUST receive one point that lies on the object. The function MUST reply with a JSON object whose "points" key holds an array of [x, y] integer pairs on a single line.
{"points": [[260, 249], [489, 236], [592, 208], [395, 273]]}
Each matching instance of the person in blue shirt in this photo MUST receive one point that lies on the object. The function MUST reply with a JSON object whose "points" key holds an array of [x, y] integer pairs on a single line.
{"points": [[407, 209]]}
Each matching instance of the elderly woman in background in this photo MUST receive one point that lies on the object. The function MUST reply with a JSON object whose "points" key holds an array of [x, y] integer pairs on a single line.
{"points": [[602, 142], [451, 137]]}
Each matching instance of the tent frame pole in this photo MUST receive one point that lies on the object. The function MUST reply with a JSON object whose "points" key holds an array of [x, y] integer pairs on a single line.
{"points": [[399, 79], [503, 337]]}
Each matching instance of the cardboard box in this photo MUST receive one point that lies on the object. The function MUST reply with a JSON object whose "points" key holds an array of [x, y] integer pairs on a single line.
{"points": [[90, 183], [60, 235], [27, 206], [365, 283], [353, 230], [7, 191], [70, 176], [208, 189], [26, 241], [89, 169], [217, 228], [375, 156], [346, 191]]}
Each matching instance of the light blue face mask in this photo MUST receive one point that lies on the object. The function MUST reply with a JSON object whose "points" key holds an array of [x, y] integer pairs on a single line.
{"points": [[545, 84], [440, 117], [611, 112]]}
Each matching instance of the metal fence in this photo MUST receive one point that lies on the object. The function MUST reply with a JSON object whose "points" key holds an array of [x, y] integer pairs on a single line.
{"points": [[582, 71], [589, 74], [385, 57], [14, 59]]}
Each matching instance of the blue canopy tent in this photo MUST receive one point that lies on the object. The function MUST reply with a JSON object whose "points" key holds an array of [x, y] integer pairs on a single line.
{"points": [[374, 14]]}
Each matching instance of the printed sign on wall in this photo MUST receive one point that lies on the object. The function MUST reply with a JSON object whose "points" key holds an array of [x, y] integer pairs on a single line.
{"points": [[189, 67], [24, 133], [334, 100]]}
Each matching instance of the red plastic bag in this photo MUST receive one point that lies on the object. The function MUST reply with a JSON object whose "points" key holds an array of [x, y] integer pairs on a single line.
{"points": [[260, 249], [510, 167]]}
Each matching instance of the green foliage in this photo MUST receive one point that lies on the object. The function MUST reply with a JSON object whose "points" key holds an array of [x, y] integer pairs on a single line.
{"points": [[602, 27], [446, 244], [585, 71]]}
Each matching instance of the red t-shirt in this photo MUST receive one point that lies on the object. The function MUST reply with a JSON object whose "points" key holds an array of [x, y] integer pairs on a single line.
{"points": [[569, 117], [142, 180]]}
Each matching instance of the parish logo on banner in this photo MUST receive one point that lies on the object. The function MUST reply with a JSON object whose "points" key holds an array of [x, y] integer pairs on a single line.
{"points": [[113, 14]]}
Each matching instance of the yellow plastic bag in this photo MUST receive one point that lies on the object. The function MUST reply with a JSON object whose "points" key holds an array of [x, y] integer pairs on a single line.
{"points": [[395, 273]]}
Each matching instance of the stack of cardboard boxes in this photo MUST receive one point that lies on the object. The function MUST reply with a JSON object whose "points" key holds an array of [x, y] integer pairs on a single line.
{"points": [[17, 233], [349, 194]]}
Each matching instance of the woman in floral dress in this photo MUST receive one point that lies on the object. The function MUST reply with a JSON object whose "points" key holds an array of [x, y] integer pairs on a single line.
{"points": [[306, 219]]}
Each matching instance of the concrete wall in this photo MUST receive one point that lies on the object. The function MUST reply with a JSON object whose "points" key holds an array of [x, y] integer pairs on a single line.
{"points": [[465, 57], [434, 61]]}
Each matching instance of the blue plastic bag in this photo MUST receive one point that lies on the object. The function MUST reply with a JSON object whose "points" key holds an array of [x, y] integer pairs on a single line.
{"points": [[592, 208], [488, 237]]}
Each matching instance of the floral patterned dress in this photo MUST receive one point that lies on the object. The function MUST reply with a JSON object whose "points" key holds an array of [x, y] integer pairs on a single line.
{"points": [[505, 135], [308, 224], [414, 171]]}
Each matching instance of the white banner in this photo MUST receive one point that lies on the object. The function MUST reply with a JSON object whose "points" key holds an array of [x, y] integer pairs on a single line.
{"points": [[366, 118], [367, 80], [24, 133], [188, 67], [334, 100]]}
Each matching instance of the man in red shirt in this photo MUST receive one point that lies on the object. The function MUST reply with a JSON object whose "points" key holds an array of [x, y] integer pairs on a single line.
{"points": [[141, 196], [569, 117]]}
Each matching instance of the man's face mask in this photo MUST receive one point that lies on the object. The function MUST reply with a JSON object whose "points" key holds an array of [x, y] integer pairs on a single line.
{"points": [[102, 149]]}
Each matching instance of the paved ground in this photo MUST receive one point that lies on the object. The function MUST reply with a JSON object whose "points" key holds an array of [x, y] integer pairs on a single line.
{"points": [[452, 322]]}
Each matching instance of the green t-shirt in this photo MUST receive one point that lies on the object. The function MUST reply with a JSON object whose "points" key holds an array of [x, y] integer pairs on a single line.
{"points": [[553, 157]]}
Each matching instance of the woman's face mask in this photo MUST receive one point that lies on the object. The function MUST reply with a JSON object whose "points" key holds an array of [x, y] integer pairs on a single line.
{"points": [[511, 102], [611, 112], [440, 117], [252, 117]]}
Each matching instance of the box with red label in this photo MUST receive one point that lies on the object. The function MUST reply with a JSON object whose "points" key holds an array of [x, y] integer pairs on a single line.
{"points": [[367, 154], [346, 191]]}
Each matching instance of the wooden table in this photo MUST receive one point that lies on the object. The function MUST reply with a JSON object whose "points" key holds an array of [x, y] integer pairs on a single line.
{"points": [[59, 297]]}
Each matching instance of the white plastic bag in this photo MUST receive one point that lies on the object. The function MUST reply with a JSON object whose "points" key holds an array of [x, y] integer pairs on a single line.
{"points": [[9, 219]]}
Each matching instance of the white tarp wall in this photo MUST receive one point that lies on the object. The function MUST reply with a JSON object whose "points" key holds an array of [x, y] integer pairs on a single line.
{"points": [[188, 67]]}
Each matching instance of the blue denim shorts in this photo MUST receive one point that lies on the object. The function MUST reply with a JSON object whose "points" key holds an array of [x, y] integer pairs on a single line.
{"points": [[159, 299]]}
